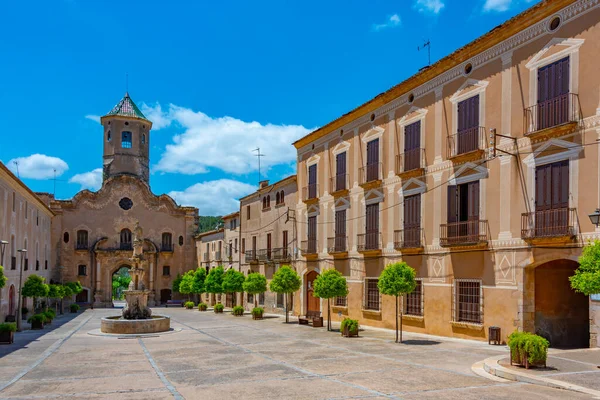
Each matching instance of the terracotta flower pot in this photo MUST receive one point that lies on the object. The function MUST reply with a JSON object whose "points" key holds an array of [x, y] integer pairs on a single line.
{"points": [[7, 337]]}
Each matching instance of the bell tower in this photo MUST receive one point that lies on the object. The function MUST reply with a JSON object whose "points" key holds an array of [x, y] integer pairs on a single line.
{"points": [[126, 141]]}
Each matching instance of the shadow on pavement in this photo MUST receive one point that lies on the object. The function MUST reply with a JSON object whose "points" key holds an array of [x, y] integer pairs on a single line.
{"points": [[421, 342]]}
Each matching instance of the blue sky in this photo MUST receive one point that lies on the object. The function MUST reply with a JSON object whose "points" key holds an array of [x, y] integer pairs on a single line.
{"points": [[217, 79]]}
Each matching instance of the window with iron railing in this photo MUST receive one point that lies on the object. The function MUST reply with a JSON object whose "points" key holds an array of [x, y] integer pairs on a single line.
{"points": [[341, 301], [261, 299], [413, 301], [279, 300], [468, 301], [166, 270], [82, 240], [82, 270], [372, 298], [167, 242]]}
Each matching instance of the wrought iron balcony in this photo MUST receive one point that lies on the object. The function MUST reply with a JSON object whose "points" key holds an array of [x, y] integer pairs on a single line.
{"points": [[308, 246], [81, 246], [410, 238], [466, 141], [368, 241], [370, 173], [310, 192], [558, 111], [464, 233], [555, 223], [263, 255], [410, 160], [339, 183], [250, 256], [337, 244], [166, 248], [281, 254]]}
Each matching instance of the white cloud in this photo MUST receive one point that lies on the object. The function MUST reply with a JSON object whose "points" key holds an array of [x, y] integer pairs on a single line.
{"points": [[88, 180], [225, 143], [218, 197], [497, 5], [37, 166], [95, 118], [156, 115], [430, 6], [391, 22]]}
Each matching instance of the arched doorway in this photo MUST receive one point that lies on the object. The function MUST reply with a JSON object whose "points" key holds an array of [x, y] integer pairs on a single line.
{"points": [[120, 282], [561, 314], [312, 302], [11, 300]]}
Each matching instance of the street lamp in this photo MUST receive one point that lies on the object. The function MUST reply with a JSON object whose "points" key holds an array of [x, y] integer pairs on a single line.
{"points": [[3, 244], [19, 315], [595, 217]]}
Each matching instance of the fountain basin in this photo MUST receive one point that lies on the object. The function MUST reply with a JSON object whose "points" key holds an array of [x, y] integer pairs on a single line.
{"points": [[154, 324]]}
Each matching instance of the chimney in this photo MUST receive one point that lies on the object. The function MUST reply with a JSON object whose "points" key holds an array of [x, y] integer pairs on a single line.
{"points": [[263, 184]]}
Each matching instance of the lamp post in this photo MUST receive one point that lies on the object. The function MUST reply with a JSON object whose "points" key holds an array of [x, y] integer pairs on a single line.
{"points": [[595, 217], [3, 244], [19, 314]]}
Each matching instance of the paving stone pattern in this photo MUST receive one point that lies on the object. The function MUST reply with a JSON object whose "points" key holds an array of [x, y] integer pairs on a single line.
{"points": [[226, 357]]}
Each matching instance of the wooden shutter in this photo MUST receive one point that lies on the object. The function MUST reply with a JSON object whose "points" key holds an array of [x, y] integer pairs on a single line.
{"points": [[412, 212], [285, 239], [452, 204], [373, 152], [340, 164], [412, 136], [312, 228], [553, 80], [312, 174], [560, 185], [473, 200], [340, 223], [543, 188], [372, 218], [269, 241]]}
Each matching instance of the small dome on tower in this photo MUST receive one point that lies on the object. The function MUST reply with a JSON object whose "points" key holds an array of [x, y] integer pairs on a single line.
{"points": [[126, 108]]}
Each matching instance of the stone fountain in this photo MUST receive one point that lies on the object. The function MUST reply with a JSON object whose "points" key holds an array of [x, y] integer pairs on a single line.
{"points": [[137, 317]]}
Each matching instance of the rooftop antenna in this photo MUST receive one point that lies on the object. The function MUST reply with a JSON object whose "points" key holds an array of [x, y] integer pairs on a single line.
{"points": [[54, 182], [258, 155], [17, 165], [126, 82], [428, 45]]}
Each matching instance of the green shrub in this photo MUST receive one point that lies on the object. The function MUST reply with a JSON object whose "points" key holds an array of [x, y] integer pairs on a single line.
{"points": [[8, 327], [238, 310], [50, 313], [535, 346], [74, 307], [258, 311], [189, 305], [219, 308], [37, 318], [202, 307], [351, 324]]}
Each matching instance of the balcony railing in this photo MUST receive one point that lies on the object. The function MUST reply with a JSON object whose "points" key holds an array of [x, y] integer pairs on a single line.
{"points": [[337, 244], [281, 254], [309, 246], [81, 246], [339, 183], [167, 248], [218, 255], [125, 246], [464, 233], [467, 140], [550, 113], [310, 192], [368, 241], [263, 255], [548, 223], [206, 257], [250, 256], [410, 238], [410, 160], [370, 173]]}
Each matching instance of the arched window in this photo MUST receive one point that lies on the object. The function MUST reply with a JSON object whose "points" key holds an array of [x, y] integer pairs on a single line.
{"points": [[181, 240], [126, 139], [66, 237], [82, 240], [143, 138], [167, 242], [277, 198], [264, 202], [108, 137], [126, 239]]}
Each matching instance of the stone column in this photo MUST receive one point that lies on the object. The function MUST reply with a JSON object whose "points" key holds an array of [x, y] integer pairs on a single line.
{"points": [[98, 287], [152, 294], [438, 125]]}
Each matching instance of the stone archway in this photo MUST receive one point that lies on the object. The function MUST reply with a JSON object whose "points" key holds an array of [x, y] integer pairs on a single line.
{"points": [[120, 274], [312, 303], [561, 314]]}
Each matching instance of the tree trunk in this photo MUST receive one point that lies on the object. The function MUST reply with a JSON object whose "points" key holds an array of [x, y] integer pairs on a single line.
{"points": [[396, 318], [328, 315], [287, 319], [401, 323]]}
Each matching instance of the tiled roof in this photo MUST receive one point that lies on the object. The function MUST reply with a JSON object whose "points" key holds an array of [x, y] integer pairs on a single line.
{"points": [[126, 108]]}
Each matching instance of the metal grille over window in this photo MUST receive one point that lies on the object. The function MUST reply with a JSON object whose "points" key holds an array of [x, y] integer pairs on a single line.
{"points": [[372, 297], [414, 301], [468, 301], [341, 301], [126, 139]]}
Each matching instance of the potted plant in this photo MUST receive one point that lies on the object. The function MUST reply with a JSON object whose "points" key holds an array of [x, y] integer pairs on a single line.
{"points": [[527, 349], [24, 312], [238, 311], [202, 307], [7, 332], [189, 305], [219, 308], [74, 307], [50, 315], [257, 313], [37, 321], [349, 327]]}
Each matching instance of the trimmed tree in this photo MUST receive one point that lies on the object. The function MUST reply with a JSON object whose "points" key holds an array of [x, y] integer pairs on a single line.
{"points": [[587, 276], [198, 285], [396, 280], [66, 293], [35, 287], [214, 280], [255, 284], [233, 281], [285, 281], [331, 283], [76, 287], [55, 292], [186, 286], [175, 284], [3, 278]]}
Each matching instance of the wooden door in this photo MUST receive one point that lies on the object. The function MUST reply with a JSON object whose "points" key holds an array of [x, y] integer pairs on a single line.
{"points": [[472, 211], [552, 198], [312, 234], [468, 125], [372, 226], [553, 94], [312, 302], [372, 160], [285, 244], [340, 231], [340, 172], [412, 146], [412, 221], [269, 246], [312, 181]]}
